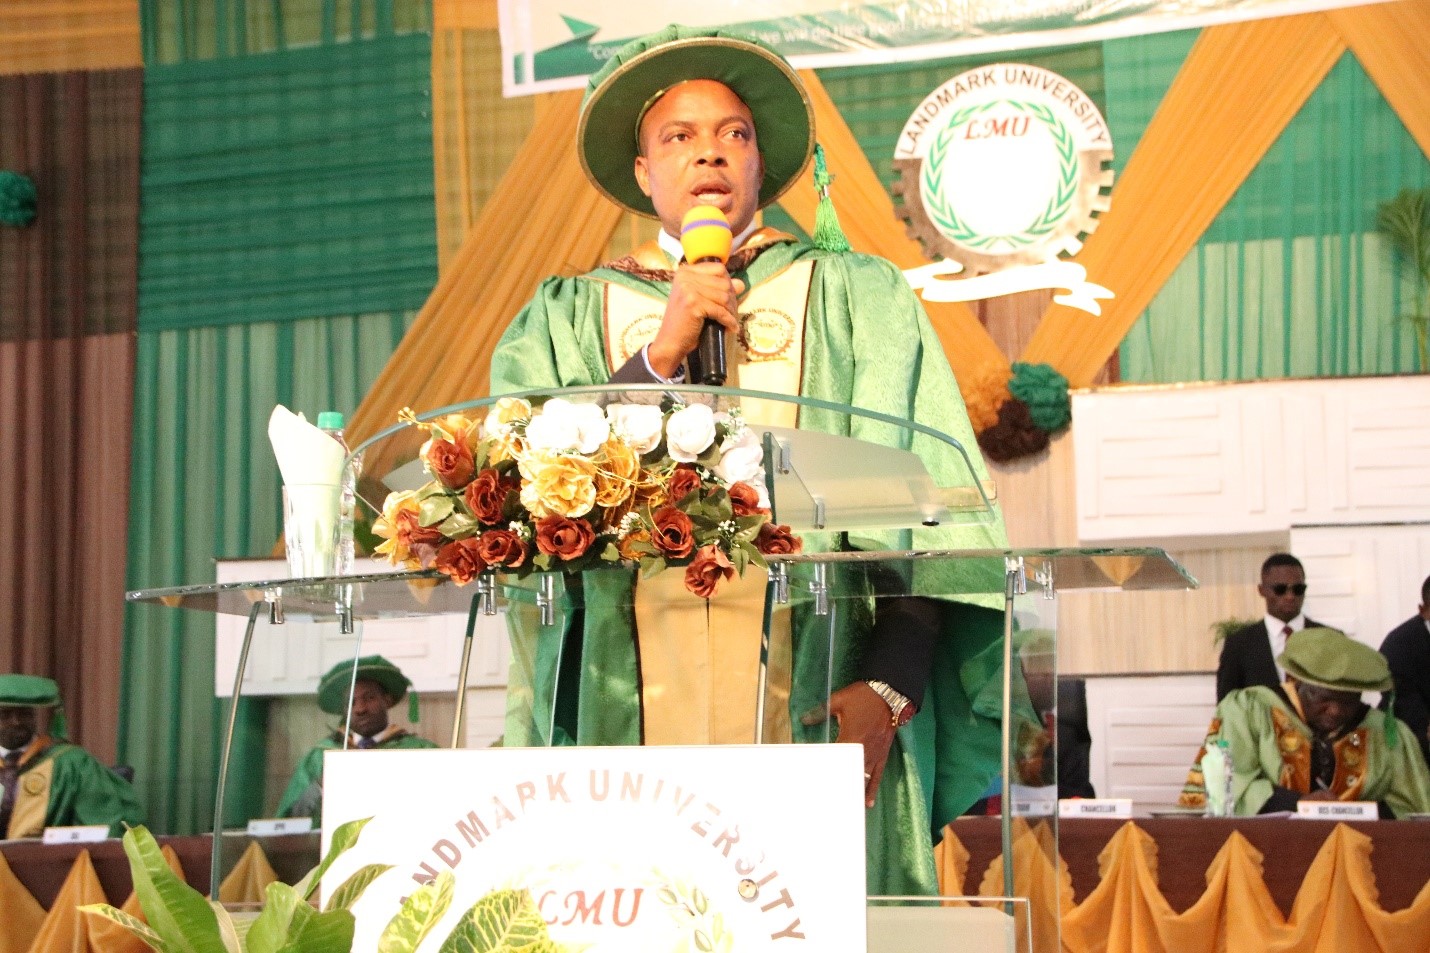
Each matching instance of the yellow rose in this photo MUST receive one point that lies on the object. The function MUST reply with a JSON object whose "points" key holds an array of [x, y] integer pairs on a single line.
{"points": [[505, 445], [457, 428], [616, 478], [555, 484], [398, 510], [507, 411]]}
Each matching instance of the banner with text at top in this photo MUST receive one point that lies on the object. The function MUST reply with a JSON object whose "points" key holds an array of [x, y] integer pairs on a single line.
{"points": [[548, 45]]}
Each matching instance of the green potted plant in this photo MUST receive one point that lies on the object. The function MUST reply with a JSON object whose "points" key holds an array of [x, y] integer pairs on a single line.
{"points": [[1405, 220]]}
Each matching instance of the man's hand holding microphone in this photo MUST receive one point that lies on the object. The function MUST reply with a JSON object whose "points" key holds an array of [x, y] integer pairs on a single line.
{"points": [[703, 303]]}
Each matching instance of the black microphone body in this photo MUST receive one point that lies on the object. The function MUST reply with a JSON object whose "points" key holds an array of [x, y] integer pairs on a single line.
{"points": [[707, 361]]}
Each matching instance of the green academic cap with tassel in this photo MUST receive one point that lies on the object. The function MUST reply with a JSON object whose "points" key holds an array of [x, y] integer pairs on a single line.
{"points": [[35, 691], [620, 92], [334, 686]]}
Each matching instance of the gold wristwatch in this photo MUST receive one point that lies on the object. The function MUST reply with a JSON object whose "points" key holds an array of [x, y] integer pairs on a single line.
{"points": [[901, 710]]}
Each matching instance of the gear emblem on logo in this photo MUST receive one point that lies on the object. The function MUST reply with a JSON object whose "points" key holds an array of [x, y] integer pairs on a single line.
{"points": [[1003, 166]]}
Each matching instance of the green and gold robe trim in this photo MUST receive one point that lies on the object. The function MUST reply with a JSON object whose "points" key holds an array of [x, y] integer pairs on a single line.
{"points": [[699, 675]]}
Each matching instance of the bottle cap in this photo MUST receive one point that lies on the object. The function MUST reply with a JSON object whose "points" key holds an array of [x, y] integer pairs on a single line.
{"points": [[330, 420]]}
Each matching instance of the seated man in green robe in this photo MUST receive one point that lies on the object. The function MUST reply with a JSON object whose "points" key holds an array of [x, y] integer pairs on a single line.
{"points": [[684, 118], [379, 686], [46, 781], [1314, 739]]}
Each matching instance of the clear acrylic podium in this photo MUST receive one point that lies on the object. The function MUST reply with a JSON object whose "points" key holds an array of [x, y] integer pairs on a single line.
{"points": [[887, 509]]}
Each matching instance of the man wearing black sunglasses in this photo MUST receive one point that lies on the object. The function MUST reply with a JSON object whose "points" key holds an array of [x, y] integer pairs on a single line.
{"points": [[1248, 656]]}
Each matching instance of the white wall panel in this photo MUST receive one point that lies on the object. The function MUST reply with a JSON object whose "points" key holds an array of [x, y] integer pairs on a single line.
{"points": [[1145, 732], [1363, 579], [1218, 461]]}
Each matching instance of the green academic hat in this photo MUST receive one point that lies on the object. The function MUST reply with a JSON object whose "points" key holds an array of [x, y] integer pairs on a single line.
{"points": [[618, 95], [333, 689], [1332, 659], [34, 691]]}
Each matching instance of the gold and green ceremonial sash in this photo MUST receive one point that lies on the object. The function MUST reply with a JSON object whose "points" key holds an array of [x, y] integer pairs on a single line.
{"points": [[699, 659]]}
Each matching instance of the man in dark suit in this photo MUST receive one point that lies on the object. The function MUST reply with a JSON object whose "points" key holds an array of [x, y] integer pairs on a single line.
{"points": [[1407, 649], [1248, 656]]}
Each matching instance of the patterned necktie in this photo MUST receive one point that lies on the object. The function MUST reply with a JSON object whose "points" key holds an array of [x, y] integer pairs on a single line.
{"points": [[365, 743], [10, 782]]}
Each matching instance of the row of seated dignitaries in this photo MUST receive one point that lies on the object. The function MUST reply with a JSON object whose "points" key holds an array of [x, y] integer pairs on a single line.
{"points": [[1290, 709], [45, 780]]}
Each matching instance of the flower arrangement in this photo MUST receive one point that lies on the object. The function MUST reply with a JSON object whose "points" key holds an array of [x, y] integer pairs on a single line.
{"points": [[558, 485]]}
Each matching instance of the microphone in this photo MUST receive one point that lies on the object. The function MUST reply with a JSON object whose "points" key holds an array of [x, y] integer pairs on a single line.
{"points": [[705, 236]]}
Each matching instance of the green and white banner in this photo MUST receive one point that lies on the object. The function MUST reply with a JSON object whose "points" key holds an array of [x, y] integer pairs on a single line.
{"points": [[548, 45]]}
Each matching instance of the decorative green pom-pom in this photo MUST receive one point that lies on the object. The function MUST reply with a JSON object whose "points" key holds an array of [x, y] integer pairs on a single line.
{"points": [[1045, 391], [17, 199]]}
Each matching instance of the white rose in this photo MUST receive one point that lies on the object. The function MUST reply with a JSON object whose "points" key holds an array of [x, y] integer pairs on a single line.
{"points": [[504, 413], [592, 427], [554, 428], [565, 427], [742, 461], [637, 424], [689, 432]]}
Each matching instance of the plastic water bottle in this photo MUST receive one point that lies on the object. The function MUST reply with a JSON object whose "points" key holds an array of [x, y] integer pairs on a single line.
{"points": [[331, 423]]}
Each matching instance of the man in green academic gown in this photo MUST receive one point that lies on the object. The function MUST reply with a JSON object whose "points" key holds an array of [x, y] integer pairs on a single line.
{"points": [[379, 686], [683, 118], [46, 781], [1314, 739]]}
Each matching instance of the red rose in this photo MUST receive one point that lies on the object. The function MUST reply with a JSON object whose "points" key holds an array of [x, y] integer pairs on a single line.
{"points": [[777, 540], [706, 571], [683, 480], [564, 537], [460, 561], [674, 534], [422, 541], [501, 547], [451, 463], [486, 496], [744, 498]]}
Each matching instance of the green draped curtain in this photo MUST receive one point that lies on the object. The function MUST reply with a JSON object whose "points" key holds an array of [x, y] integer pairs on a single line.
{"points": [[1291, 279], [205, 487], [302, 178], [287, 239], [178, 31]]}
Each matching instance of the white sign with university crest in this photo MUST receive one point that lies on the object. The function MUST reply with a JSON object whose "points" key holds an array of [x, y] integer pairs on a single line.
{"points": [[1003, 170], [620, 849]]}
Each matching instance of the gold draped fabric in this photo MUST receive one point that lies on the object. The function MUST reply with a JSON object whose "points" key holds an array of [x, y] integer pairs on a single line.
{"points": [[1239, 87], [61, 36], [67, 930], [248, 881], [25, 927], [19, 911], [1392, 42], [1336, 907]]}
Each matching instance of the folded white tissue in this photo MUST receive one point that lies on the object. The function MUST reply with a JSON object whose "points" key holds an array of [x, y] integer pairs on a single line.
{"points": [[311, 463]]}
